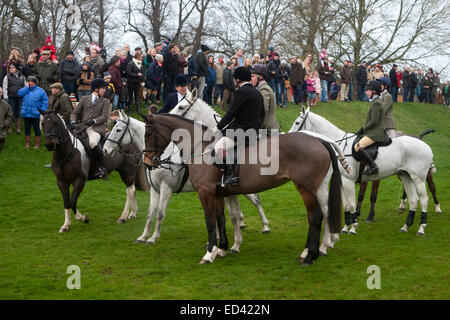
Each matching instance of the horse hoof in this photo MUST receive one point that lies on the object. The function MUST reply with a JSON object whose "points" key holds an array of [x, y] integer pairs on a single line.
{"points": [[148, 242], [403, 231], [86, 219], [235, 251], [139, 241], [401, 209], [203, 261], [62, 230], [131, 217], [121, 221], [243, 227], [323, 254], [266, 231], [369, 220], [420, 233], [307, 264]]}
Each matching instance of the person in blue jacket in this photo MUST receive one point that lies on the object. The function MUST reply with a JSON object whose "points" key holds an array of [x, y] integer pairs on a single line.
{"points": [[181, 83], [34, 99]]}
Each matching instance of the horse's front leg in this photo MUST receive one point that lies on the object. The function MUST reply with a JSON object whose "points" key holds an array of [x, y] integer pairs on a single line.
{"points": [[165, 195], [373, 200], [78, 187], [153, 204], [131, 191], [233, 208], [220, 214], [257, 203], [64, 188], [348, 199], [208, 200]]}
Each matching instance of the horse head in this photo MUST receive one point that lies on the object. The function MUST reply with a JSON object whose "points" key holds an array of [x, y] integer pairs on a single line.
{"points": [[119, 136], [194, 108], [300, 123], [54, 129]]}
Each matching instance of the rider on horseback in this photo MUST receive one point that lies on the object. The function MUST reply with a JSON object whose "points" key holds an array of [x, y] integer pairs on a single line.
{"points": [[373, 130], [93, 112], [247, 111]]}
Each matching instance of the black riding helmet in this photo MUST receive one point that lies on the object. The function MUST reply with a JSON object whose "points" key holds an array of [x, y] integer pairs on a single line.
{"points": [[375, 86], [243, 74], [97, 83], [261, 69]]}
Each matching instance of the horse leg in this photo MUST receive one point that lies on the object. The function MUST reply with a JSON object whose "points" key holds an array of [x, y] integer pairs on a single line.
{"points": [[164, 198], [373, 200], [64, 187], [254, 198], [220, 214], [322, 195], [432, 189], [412, 199], [208, 200], [361, 194], [154, 200], [348, 199], [134, 205], [233, 209], [78, 186], [315, 217], [423, 197], [130, 192], [241, 218]]}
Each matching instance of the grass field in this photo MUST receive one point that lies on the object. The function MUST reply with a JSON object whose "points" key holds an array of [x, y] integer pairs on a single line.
{"points": [[34, 257]]}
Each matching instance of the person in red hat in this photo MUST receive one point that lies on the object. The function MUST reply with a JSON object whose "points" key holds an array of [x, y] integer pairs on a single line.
{"points": [[51, 47]]}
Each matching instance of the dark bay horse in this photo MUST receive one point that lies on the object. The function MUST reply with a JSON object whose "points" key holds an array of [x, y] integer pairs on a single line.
{"points": [[307, 161], [72, 166]]}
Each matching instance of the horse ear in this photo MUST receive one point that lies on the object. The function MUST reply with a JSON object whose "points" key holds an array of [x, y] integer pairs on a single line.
{"points": [[308, 109], [194, 94], [303, 110]]}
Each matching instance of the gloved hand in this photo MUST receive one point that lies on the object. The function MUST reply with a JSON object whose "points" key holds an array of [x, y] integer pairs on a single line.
{"points": [[215, 130], [360, 132], [81, 81], [90, 123], [73, 125]]}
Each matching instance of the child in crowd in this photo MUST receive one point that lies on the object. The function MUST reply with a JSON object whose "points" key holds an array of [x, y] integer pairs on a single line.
{"points": [[153, 109], [310, 88], [334, 91], [123, 95], [73, 99], [110, 90], [318, 87]]}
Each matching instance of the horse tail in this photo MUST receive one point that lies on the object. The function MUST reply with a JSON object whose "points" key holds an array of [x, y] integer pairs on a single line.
{"points": [[425, 133], [334, 194]]}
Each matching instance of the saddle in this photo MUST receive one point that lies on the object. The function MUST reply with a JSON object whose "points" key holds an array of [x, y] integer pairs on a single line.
{"points": [[84, 139], [371, 150]]}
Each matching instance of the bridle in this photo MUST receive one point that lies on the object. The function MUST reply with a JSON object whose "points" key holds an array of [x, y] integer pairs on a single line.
{"points": [[191, 104], [156, 150], [303, 124], [127, 129]]}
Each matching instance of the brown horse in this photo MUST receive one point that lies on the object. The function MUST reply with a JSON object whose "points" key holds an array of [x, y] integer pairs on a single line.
{"points": [[303, 159], [72, 166]]}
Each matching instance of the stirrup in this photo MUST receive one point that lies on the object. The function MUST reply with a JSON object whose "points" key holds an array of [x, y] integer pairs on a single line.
{"points": [[369, 170]]}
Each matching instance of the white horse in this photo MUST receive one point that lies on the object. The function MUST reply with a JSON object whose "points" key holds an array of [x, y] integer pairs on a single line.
{"points": [[196, 109], [408, 157], [167, 180]]}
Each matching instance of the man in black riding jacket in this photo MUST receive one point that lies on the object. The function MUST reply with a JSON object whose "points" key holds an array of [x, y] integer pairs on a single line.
{"points": [[246, 112]]}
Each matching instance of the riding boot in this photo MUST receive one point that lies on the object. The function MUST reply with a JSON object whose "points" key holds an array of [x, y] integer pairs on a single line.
{"points": [[37, 143], [100, 160], [372, 167], [230, 176], [27, 142]]}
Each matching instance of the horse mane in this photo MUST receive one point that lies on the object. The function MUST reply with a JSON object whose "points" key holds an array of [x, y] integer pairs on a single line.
{"points": [[326, 121], [184, 119]]}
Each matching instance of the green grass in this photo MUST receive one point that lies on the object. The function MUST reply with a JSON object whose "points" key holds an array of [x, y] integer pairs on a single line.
{"points": [[34, 257]]}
